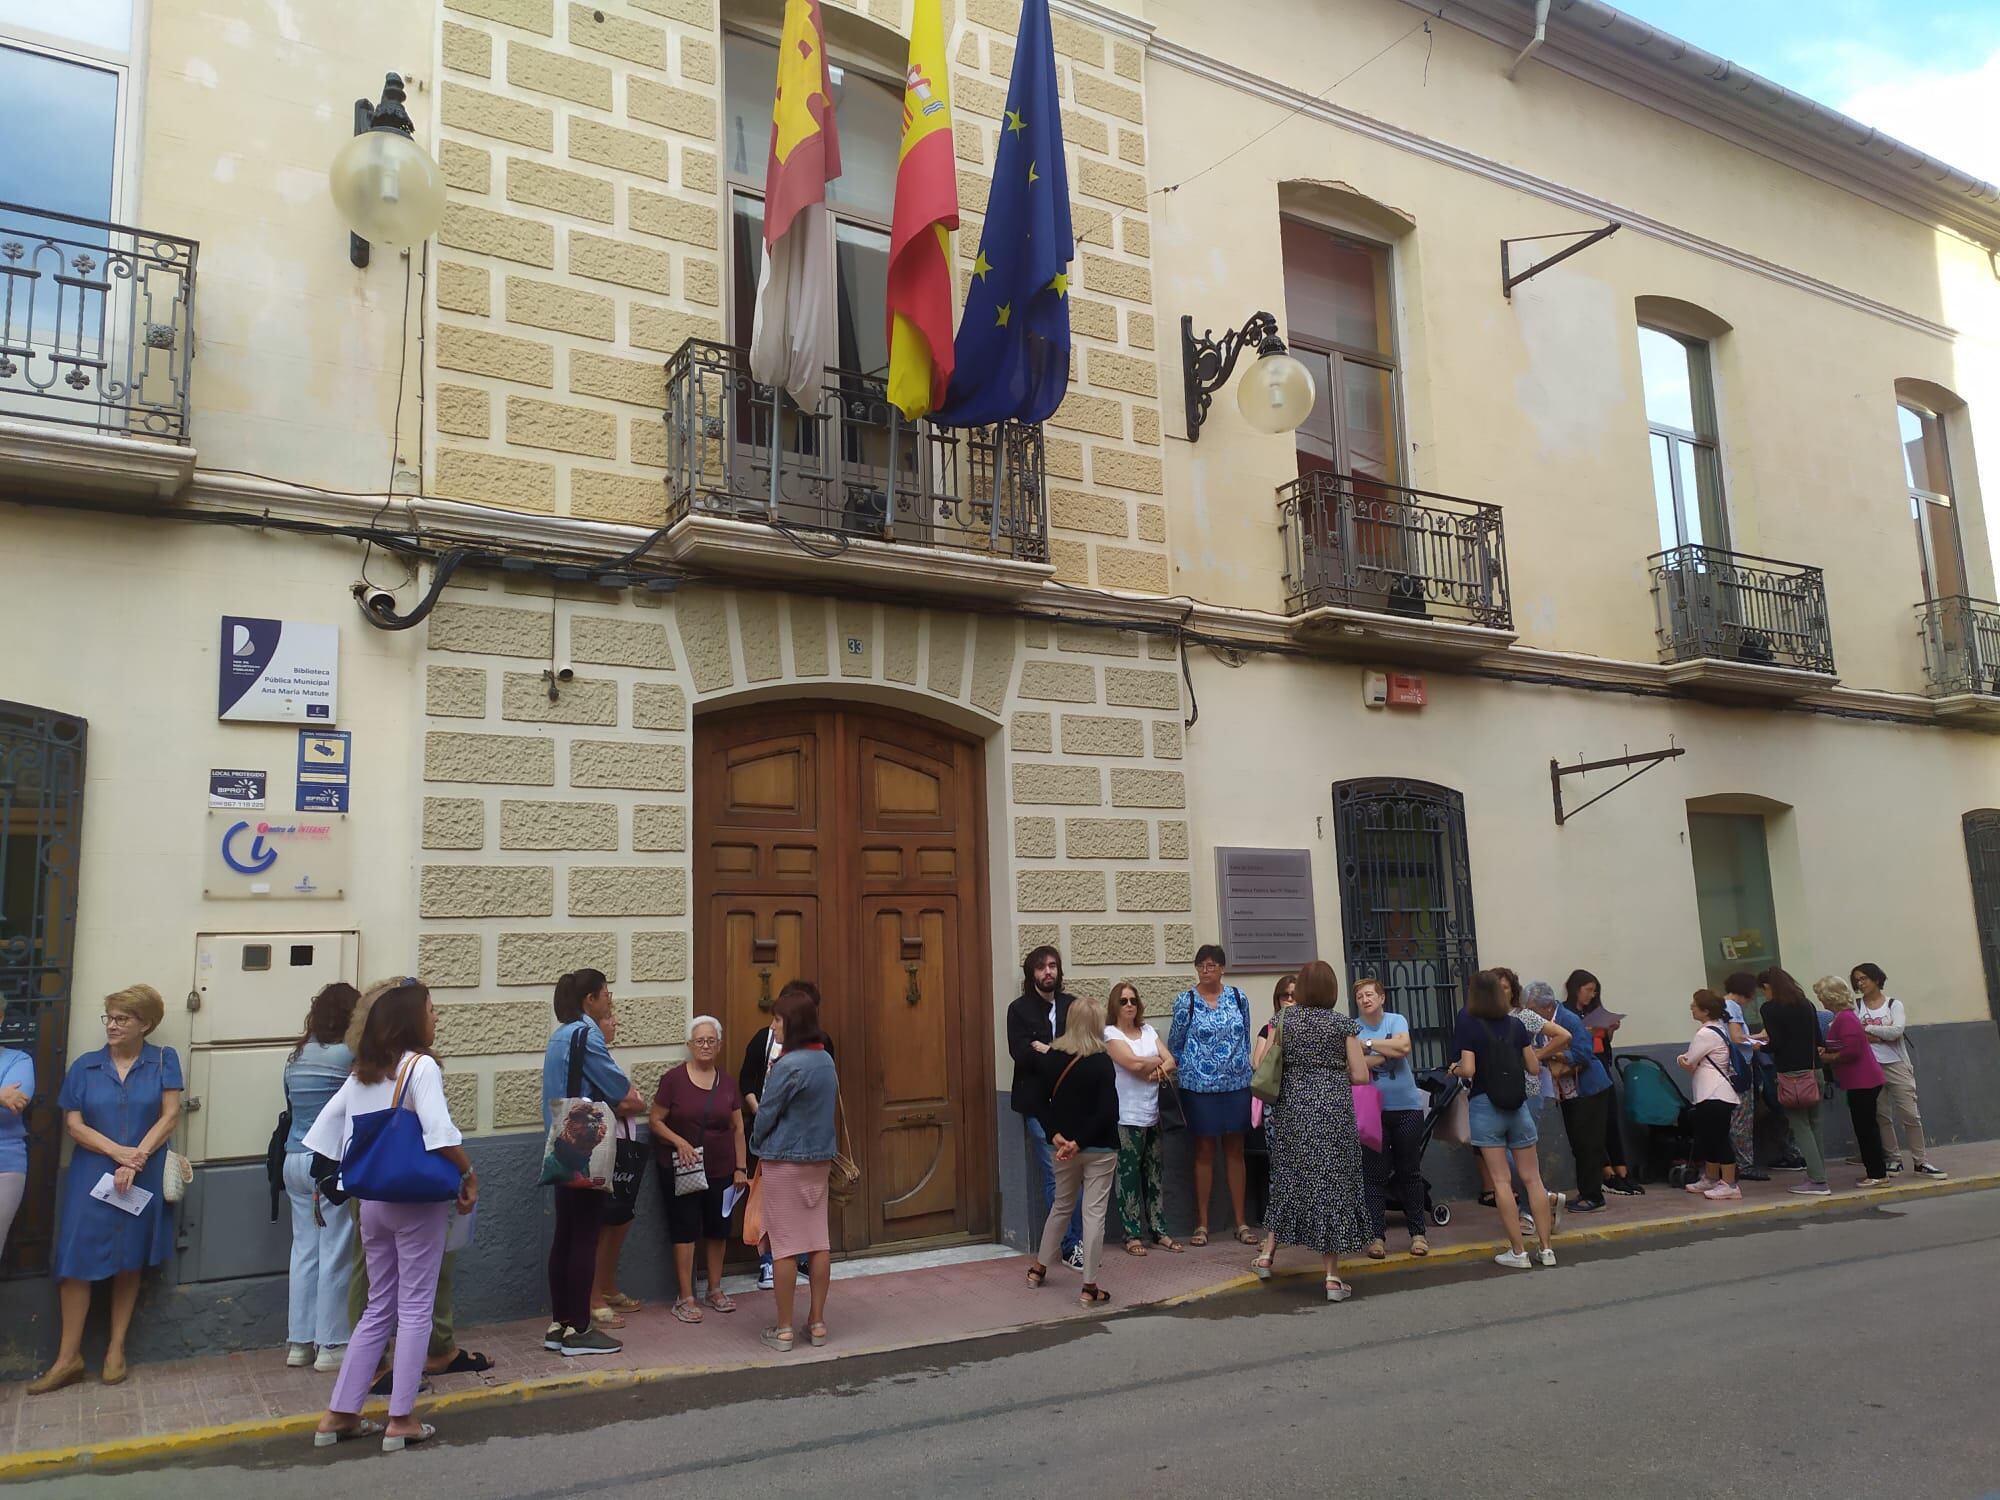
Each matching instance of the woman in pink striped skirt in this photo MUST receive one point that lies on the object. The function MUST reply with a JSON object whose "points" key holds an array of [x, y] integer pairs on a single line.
{"points": [[794, 1142]]}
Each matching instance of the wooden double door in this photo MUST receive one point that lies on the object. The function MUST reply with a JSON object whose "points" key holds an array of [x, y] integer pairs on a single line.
{"points": [[846, 847]]}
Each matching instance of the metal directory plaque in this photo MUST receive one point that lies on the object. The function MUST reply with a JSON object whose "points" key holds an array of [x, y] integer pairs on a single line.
{"points": [[1265, 897]]}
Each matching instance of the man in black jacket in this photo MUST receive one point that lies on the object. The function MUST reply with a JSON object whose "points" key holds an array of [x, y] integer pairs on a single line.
{"points": [[1038, 1015]]}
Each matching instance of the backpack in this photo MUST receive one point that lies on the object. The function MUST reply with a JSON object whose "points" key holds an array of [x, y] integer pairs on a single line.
{"points": [[1742, 1062], [1502, 1072]]}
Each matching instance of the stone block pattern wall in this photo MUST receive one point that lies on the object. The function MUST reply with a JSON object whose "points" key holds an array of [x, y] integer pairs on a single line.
{"points": [[583, 241], [554, 834]]}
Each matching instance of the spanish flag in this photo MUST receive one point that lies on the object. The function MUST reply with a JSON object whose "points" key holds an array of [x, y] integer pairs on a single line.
{"points": [[920, 287], [792, 338]]}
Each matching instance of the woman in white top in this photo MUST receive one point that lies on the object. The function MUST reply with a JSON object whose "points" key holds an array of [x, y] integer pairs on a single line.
{"points": [[1706, 1061], [1882, 1018], [1143, 1063], [402, 1242]]}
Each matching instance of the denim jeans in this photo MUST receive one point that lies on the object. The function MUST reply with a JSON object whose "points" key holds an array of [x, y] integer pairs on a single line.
{"points": [[322, 1262], [1045, 1164]]}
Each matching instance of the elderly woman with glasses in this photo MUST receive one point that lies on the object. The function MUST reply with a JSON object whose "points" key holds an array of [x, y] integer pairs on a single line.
{"points": [[697, 1124], [119, 1104]]}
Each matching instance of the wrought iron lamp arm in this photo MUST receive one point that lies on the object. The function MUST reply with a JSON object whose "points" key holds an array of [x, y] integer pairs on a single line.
{"points": [[1207, 362]]}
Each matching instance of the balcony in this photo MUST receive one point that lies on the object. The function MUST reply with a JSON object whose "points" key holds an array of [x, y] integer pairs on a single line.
{"points": [[96, 345], [848, 489], [1961, 639], [1741, 626], [1374, 569]]}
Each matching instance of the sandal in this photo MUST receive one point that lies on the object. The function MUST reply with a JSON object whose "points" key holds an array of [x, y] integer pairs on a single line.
{"points": [[1245, 1235], [1337, 1290], [327, 1437], [397, 1442], [1487, 1200], [1263, 1263], [1037, 1274], [1199, 1237], [722, 1302], [686, 1311], [622, 1302], [1168, 1242], [465, 1362], [817, 1333], [779, 1339], [1135, 1246], [1093, 1295]]}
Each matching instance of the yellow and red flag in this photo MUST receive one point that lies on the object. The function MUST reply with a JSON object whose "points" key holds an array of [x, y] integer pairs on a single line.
{"points": [[793, 333], [920, 286]]}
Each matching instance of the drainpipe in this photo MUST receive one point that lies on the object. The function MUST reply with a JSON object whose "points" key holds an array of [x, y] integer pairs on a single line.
{"points": [[1541, 35]]}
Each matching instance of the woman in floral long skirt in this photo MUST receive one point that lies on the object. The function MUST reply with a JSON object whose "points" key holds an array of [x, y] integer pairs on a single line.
{"points": [[1318, 1199]]}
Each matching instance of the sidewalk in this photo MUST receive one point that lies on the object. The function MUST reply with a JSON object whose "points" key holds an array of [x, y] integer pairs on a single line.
{"points": [[876, 1306]]}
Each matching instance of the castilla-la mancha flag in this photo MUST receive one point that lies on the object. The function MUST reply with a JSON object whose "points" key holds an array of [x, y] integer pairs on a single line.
{"points": [[920, 290], [792, 338]]}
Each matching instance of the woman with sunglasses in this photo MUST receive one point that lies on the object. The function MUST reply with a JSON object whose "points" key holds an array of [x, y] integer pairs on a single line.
{"points": [[1143, 1064]]}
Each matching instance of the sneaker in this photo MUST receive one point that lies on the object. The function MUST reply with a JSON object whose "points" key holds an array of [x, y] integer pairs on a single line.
{"points": [[1723, 1190], [1752, 1174], [1073, 1257], [297, 1356], [1587, 1206], [1811, 1189], [1873, 1182], [766, 1278], [1792, 1162], [590, 1341], [330, 1356], [552, 1337], [1895, 1164], [1699, 1185], [1546, 1256], [1513, 1260], [1927, 1169]]}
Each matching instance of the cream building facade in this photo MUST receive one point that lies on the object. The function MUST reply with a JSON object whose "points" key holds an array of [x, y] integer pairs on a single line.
{"points": [[922, 716]]}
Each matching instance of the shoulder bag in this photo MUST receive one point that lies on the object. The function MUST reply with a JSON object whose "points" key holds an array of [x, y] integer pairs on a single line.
{"points": [[386, 1160], [1798, 1090], [1269, 1076], [692, 1177], [274, 1156], [843, 1178], [582, 1146], [177, 1173]]}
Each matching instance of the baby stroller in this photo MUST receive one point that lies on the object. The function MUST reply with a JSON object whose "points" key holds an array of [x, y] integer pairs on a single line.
{"points": [[1443, 1090], [1655, 1102]]}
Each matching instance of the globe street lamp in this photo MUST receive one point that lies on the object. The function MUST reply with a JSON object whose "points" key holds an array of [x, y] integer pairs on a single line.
{"points": [[1276, 393], [386, 187]]}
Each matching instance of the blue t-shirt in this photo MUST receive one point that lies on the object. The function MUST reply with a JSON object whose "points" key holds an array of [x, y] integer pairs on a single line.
{"points": [[312, 1078], [18, 1069], [1395, 1080], [603, 1079], [1590, 1076]]}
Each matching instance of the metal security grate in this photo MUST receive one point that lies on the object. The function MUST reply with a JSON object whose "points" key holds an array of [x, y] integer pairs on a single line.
{"points": [[1982, 858], [849, 467], [1406, 901], [41, 827]]}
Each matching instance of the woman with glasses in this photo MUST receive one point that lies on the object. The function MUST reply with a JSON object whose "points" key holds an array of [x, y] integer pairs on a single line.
{"points": [[1143, 1065], [120, 1104], [1210, 1036], [697, 1123]]}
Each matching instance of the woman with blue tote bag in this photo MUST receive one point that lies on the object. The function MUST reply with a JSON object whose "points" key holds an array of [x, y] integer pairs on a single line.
{"points": [[391, 1134]]}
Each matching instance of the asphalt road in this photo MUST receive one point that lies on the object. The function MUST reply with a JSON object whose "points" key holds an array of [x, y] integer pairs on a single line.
{"points": [[1851, 1354]]}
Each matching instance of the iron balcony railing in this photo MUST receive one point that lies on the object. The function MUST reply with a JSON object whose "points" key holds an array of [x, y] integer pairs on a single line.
{"points": [[96, 324], [1357, 543], [1708, 603], [849, 467], [1961, 645]]}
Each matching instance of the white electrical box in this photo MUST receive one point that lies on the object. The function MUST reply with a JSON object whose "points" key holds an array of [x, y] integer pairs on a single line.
{"points": [[247, 1010]]}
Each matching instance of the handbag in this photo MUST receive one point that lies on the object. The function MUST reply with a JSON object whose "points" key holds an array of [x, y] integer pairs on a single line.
{"points": [[1368, 1115], [274, 1156], [1454, 1125], [582, 1146], [753, 1210], [691, 1177], [1269, 1076], [175, 1176], [386, 1160], [843, 1177], [628, 1171], [1798, 1090]]}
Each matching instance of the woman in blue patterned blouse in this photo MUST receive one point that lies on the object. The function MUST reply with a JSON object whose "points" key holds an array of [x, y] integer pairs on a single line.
{"points": [[1211, 1039]]}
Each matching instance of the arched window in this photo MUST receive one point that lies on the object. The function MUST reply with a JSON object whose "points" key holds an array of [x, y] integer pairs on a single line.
{"points": [[1676, 366], [1922, 412], [1406, 900], [41, 832]]}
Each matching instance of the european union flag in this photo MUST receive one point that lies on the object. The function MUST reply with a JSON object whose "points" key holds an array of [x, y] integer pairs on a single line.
{"points": [[1012, 349]]}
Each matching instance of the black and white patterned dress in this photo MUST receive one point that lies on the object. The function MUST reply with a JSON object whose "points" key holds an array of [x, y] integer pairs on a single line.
{"points": [[1317, 1197]]}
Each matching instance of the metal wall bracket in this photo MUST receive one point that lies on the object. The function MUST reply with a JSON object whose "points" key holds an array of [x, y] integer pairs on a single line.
{"points": [[1509, 279], [1645, 761]]}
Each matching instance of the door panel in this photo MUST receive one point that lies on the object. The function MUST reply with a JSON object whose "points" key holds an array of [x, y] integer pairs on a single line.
{"points": [[844, 846]]}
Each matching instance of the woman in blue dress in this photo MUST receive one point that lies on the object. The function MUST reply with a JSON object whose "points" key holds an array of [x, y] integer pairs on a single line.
{"points": [[119, 1104]]}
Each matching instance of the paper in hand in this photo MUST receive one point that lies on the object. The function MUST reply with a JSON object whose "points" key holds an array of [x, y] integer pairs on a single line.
{"points": [[458, 1231], [731, 1196], [133, 1201]]}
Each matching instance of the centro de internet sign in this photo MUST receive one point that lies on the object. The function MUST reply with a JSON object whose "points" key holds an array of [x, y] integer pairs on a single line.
{"points": [[259, 856]]}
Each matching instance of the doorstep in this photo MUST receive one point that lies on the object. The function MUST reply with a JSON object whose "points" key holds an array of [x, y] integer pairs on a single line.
{"points": [[878, 1305]]}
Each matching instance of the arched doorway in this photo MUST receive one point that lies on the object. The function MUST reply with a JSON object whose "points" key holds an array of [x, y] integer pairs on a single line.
{"points": [[846, 844]]}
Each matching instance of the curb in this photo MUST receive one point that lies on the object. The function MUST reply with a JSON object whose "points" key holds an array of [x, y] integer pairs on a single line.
{"points": [[47, 1462]]}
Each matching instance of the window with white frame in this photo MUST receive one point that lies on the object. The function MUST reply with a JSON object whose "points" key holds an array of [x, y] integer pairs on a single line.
{"points": [[1682, 432], [65, 80]]}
